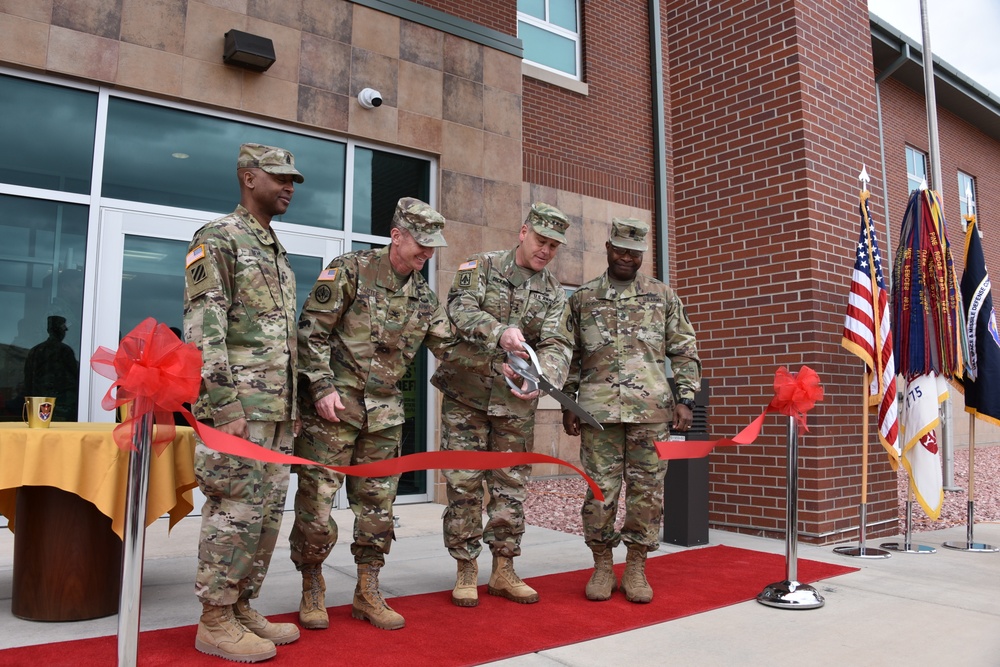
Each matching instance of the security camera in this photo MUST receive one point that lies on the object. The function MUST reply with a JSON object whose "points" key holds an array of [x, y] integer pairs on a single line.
{"points": [[370, 98]]}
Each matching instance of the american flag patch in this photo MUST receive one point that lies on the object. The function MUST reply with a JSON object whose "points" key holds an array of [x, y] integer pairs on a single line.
{"points": [[471, 264], [194, 256], [329, 274]]}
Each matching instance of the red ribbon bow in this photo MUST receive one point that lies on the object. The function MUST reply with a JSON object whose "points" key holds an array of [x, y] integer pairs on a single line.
{"points": [[156, 372], [795, 395]]}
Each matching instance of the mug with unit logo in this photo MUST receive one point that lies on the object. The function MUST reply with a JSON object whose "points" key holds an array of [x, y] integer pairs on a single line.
{"points": [[38, 410]]}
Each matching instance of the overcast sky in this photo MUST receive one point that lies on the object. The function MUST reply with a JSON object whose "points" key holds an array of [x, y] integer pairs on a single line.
{"points": [[964, 33]]}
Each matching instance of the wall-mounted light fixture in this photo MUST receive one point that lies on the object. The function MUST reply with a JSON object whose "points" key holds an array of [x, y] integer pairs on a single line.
{"points": [[370, 98], [250, 51]]}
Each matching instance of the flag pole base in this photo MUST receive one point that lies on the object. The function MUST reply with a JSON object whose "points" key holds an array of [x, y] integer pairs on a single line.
{"points": [[790, 595], [903, 548], [970, 546], [863, 552]]}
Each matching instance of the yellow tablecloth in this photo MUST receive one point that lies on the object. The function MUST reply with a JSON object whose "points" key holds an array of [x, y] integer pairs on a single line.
{"points": [[82, 458]]}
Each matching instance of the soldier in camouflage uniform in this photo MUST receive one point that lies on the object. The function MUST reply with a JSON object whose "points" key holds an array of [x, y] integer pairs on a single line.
{"points": [[51, 369], [499, 300], [362, 325], [627, 326], [239, 309]]}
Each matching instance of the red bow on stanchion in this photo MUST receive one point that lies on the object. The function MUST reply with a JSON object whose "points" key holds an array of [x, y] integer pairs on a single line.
{"points": [[793, 396], [160, 373], [154, 371]]}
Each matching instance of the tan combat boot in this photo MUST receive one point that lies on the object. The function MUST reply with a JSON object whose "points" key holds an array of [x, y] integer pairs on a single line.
{"points": [[603, 582], [254, 621], [505, 582], [222, 635], [312, 607], [369, 605], [634, 583], [465, 593]]}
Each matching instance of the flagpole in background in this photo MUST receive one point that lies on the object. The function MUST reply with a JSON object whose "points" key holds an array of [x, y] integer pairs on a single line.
{"points": [[867, 334], [984, 355]]}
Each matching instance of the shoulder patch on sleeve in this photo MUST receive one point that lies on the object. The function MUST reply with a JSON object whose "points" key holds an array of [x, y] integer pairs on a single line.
{"points": [[329, 274], [468, 275], [471, 264], [199, 276]]}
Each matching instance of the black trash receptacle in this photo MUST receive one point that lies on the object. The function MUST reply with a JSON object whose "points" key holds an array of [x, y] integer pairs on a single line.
{"points": [[685, 489]]}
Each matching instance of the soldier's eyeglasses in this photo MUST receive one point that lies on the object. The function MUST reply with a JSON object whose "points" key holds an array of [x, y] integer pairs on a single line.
{"points": [[621, 252]]}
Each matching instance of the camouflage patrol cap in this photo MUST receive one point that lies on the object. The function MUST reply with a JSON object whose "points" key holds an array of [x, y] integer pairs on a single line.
{"points": [[273, 160], [548, 221], [423, 222], [629, 233]]}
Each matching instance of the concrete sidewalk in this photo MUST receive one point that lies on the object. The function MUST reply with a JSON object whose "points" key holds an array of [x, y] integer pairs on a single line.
{"points": [[927, 609]]}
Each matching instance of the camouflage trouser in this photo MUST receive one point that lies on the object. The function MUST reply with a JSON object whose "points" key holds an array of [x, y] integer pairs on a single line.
{"points": [[340, 444], [624, 452], [469, 429], [244, 501]]}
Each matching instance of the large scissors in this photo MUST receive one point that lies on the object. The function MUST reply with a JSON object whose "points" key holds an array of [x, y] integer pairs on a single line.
{"points": [[531, 371]]}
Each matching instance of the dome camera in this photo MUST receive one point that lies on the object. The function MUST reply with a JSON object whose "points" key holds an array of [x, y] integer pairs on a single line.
{"points": [[370, 98]]}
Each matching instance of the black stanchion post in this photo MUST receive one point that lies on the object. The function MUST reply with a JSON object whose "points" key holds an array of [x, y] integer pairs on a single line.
{"points": [[685, 488]]}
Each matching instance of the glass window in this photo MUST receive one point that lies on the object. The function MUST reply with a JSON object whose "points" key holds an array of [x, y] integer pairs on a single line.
{"points": [[177, 158], [380, 180], [550, 32], [916, 169], [966, 194], [51, 131], [41, 297]]}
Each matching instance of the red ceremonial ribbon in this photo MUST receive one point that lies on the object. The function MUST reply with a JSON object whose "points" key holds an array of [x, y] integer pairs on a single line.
{"points": [[153, 368], [794, 395]]}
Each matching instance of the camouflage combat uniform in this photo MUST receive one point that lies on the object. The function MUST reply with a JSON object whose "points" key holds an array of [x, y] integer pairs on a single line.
{"points": [[358, 333], [619, 376], [479, 412], [239, 309]]}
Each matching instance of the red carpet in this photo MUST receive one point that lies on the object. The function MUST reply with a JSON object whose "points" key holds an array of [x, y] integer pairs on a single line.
{"points": [[439, 634]]}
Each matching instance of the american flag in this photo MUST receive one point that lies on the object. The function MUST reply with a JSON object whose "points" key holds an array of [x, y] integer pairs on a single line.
{"points": [[868, 335]]}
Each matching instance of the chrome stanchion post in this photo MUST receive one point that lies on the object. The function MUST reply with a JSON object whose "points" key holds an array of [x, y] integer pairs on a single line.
{"points": [[790, 594], [135, 535]]}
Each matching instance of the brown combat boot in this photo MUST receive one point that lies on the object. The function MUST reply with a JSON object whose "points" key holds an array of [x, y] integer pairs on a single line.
{"points": [[369, 605], [603, 582], [505, 582], [634, 583], [312, 607], [254, 621], [222, 635], [465, 593]]}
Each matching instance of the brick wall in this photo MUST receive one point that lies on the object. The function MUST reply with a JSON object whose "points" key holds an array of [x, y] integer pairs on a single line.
{"points": [[773, 118]]}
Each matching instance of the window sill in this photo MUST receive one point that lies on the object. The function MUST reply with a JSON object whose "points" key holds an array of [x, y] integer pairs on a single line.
{"points": [[548, 76]]}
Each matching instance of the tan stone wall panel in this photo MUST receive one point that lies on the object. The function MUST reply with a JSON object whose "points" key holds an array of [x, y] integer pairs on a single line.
{"points": [[269, 96], [502, 70], [157, 24], [463, 101], [102, 18], [376, 32], [374, 70], [502, 113], [421, 45], [323, 109], [82, 54], [286, 48], [212, 84], [36, 10], [502, 158], [23, 42], [325, 64], [420, 89], [333, 19], [420, 132], [463, 58], [463, 149], [143, 68], [205, 31], [379, 124]]}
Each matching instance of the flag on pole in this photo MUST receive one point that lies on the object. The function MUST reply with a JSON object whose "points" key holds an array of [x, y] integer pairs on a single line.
{"points": [[867, 332], [928, 339], [921, 450], [981, 382]]}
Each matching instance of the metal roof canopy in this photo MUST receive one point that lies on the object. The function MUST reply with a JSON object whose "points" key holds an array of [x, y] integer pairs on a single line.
{"points": [[953, 90]]}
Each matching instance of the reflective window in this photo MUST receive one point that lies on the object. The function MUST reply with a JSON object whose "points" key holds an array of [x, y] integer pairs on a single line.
{"points": [[550, 33], [51, 131], [966, 191], [380, 180], [41, 297], [165, 156], [916, 169]]}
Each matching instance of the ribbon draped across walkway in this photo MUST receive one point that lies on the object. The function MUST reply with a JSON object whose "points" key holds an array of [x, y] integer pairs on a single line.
{"points": [[794, 395], [154, 366]]}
